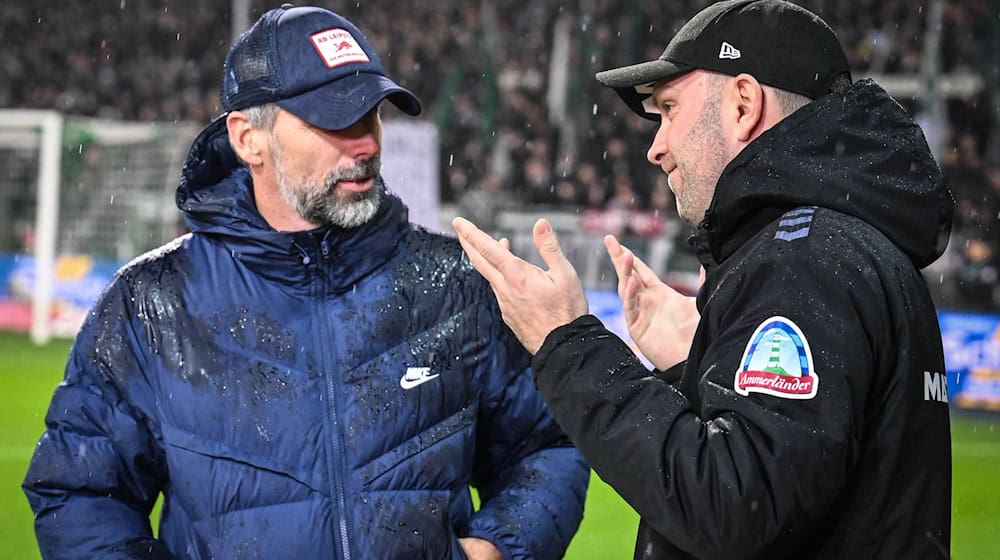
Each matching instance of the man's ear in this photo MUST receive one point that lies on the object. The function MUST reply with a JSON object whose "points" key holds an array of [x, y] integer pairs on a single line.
{"points": [[745, 98], [244, 138]]}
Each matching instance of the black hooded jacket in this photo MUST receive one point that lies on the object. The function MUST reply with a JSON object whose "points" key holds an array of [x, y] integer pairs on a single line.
{"points": [[810, 419]]}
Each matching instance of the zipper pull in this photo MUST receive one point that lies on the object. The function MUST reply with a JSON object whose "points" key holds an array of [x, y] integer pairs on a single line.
{"points": [[323, 246]]}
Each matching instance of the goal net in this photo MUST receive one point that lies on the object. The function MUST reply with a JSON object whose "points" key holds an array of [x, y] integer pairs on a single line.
{"points": [[79, 196]]}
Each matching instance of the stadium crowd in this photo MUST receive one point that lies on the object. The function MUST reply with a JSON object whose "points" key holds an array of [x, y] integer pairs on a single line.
{"points": [[510, 85]]}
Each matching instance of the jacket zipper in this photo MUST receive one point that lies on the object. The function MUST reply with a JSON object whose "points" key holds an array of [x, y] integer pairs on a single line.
{"points": [[337, 463]]}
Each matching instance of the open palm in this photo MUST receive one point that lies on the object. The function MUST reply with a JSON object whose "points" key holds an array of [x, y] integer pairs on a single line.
{"points": [[660, 320]]}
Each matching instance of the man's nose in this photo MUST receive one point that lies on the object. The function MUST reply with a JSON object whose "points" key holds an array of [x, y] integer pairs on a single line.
{"points": [[363, 137], [658, 147]]}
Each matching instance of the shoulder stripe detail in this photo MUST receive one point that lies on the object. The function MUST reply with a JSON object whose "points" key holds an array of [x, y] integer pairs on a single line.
{"points": [[794, 224], [795, 221], [792, 235], [804, 211]]}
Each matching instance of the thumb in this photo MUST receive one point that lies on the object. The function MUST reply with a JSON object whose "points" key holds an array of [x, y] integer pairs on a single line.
{"points": [[548, 245]]}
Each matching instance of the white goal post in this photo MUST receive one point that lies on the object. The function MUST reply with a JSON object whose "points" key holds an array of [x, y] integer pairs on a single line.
{"points": [[78, 196], [50, 126]]}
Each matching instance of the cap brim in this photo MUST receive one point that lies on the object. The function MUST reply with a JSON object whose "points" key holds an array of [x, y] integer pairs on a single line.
{"points": [[625, 79], [339, 104]]}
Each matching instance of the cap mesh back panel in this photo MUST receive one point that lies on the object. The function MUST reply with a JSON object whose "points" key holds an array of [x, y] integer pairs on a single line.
{"points": [[249, 77]]}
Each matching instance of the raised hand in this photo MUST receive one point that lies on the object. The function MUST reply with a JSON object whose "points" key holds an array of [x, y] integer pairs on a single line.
{"points": [[532, 301], [660, 320]]}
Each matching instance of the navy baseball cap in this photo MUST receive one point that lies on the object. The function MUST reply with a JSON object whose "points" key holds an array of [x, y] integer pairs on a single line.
{"points": [[314, 64], [778, 43]]}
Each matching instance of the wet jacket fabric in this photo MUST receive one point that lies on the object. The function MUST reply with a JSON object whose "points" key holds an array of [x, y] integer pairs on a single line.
{"points": [[323, 394], [817, 231]]}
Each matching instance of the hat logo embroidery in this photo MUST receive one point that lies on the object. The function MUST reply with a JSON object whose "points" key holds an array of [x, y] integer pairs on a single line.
{"points": [[729, 51], [337, 47]]}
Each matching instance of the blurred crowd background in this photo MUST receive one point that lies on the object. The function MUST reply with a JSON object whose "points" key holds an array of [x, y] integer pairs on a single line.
{"points": [[522, 122]]}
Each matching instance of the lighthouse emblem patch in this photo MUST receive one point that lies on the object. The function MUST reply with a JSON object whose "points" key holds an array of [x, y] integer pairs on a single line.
{"points": [[777, 362]]}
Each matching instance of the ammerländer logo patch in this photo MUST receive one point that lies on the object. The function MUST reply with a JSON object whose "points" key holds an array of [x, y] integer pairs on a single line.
{"points": [[338, 46], [777, 361]]}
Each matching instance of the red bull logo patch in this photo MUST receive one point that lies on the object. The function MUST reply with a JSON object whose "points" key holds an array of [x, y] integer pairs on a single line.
{"points": [[338, 46], [777, 362]]}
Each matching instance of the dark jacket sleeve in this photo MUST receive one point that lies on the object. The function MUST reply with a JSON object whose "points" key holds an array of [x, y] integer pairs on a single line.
{"points": [[532, 482], [96, 472], [725, 475]]}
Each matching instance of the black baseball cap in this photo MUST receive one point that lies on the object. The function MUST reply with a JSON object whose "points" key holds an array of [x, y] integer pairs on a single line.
{"points": [[314, 64], [778, 43]]}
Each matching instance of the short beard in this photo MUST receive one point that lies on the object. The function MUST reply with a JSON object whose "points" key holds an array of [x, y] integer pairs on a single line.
{"points": [[326, 205], [705, 142]]}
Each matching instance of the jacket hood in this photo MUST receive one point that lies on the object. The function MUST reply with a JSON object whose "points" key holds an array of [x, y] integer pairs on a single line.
{"points": [[858, 153], [216, 197]]}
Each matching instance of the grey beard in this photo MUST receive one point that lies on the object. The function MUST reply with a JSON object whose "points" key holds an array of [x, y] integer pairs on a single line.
{"points": [[322, 204]]}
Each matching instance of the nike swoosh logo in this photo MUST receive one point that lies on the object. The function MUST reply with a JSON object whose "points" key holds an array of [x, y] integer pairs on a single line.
{"points": [[415, 376]]}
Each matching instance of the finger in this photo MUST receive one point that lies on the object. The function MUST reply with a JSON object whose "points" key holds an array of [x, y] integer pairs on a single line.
{"points": [[645, 274], [468, 230], [621, 258], [631, 291], [485, 253], [505, 243], [617, 253], [479, 262], [480, 242], [630, 300], [548, 246], [615, 249], [627, 273]]}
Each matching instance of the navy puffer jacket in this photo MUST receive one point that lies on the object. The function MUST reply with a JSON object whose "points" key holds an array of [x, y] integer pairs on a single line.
{"points": [[323, 394]]}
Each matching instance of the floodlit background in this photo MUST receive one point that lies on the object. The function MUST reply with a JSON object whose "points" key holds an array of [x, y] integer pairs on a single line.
{"points": [[100, 100]]}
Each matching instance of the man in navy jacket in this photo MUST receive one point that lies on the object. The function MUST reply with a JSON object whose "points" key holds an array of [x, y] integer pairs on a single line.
{"points": [[306, 374]]}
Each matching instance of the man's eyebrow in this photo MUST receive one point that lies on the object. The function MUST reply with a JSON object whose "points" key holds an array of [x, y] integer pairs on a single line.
{"points": [[662, 90]]}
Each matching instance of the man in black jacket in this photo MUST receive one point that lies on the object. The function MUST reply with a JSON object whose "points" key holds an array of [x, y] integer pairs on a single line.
{"points": [[799, 407]]}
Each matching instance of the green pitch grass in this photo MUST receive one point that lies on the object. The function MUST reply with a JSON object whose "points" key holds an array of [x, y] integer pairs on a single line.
{"points": [[29, 374]]}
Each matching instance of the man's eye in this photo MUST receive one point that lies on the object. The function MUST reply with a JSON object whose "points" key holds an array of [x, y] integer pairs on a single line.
{"points": [[652, 107]]}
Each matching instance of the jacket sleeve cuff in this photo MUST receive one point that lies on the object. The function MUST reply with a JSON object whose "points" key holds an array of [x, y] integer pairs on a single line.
{"points": [[560, 335]]}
